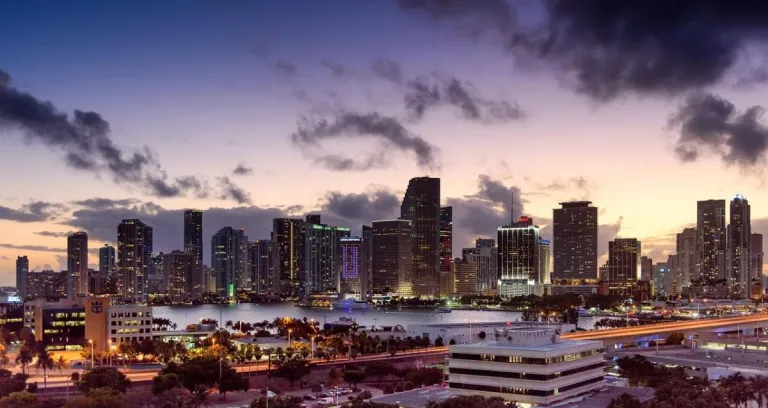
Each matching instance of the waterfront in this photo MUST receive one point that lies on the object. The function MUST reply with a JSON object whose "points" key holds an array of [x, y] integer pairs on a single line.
{"points": [[252, 312]]}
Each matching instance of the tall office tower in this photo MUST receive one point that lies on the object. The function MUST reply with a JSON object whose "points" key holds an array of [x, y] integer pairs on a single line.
{"points": [[22, 270], [662, 281], [107, 260], [673, 262], [447, 283], [261, 265], [623, 261], [193, 244], [366, 262], [756, 256], [322, 257], [209, 280], [646, 268], [545, 259], [574, 241], [392, 261], [229, 261], [134, 259], [77, 264], [518, 257], [689, 257], [156, 279], [288, 238], [351, 265], [484, 255], [446, 238], [710, 240], [178, 266], [738, 246], [421, 206], [464, 277]]}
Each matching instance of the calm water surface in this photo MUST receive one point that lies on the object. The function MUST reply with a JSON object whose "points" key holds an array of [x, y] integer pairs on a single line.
{"points": [[251, 312]]}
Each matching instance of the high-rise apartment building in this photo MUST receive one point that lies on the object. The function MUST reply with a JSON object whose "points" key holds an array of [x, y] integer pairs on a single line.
{"points": [[134, 259], [687, 250], [22, 270], [484, 255], [446, 238], [229, 261], [574, 241], [545, 260], [322, 256], [756, 256], [107, 260], [738, 246], [77, 264], [711, 240], [193, 244], [351, 265], [518, 257], [392, 261], [261, 265], [366, 261], [623, 261], [646, 268], [421, 206], [178, 266], [464, 277], [288, 238]]}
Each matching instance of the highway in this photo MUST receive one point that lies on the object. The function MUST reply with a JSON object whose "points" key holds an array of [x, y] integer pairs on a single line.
{"points": [[651, 329]]}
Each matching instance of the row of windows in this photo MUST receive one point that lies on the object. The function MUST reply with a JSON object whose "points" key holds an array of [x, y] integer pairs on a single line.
{"points": [[131, 323], [132, 314], [116, 340], [68, 323], [128, 331], [524, 391], [526, 360], [523, 376]]}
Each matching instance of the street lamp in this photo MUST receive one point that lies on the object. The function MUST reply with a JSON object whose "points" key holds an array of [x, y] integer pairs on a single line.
{"points": [[91, 343], [289, 337]]}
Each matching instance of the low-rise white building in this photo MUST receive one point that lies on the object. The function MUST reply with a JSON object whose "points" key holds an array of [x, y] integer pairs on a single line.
{"points": [[465, 333], [126, 323], [528, 365]]}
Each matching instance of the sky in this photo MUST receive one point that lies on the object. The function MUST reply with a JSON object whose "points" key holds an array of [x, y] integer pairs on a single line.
{"points": [[255, 110]]}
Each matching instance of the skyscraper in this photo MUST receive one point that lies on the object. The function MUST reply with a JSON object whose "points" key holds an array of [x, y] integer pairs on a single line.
{"points": [[756, 256], [738, 247], [623, 261], [178, 266], [107, 260], [261, 264], [688, 257], [446, 238], [193, 244], [518, 257], [464, 277], [77, 264], [484, 255], [545, 259], [22, 270], [366, 261], [711, 242], [392, 257], [351, 264], [322, 256], [229, 261], [288, 238], [134, 259], [421, 206], [646, 268], [574, 241]]}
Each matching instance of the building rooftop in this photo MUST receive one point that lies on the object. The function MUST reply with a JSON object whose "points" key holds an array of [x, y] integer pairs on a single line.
{"points": [[565, 344]]}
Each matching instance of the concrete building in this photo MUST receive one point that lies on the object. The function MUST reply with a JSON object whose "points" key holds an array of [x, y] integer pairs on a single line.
{"points": [[178, 266], [646, 268], [447, 283], [756, 258], [58, 325], [193, 244], [262, 266], [623, 261], [465, 333], [738, 247], [518, 257], [446, 239], [421, 206], [663, 280], [527, 364], [288, 238], [322, 256], [392, 257], [77, 264], [22, 270], [687, 250], [134, 259], [574, 242], [464, 277], [127, 323], [351, 264], [711, 239], [107, 260], [485, 256], [545, 260], [46, 284], [229, 261]]}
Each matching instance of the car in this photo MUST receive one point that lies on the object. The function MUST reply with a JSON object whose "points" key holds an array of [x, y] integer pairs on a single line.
{"points": [[345, 391], [326, 400], [324, 395], [309, 397]]}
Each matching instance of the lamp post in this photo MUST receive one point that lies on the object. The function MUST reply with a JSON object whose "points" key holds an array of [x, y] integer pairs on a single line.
{"points": [[91, 343]]}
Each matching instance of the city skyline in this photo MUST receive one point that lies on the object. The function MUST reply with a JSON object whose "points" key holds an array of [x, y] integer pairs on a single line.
{"points": [[241, 124]]}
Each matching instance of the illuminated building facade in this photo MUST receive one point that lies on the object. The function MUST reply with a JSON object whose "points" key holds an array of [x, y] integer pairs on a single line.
{"points": [[485, 256], [77, 264], [446, 238], [351, 265], [623, 261], [134, 259], [392, 257], [738, 247], [366, 261], [229, 261], [711, 239], [177, 268], [261, 264], [288, 238], [22, 270], [322, 257], [193, 244], [574, 242], [518, 257], [689, 257], [421, 206], [107, 260], [464, 277]]}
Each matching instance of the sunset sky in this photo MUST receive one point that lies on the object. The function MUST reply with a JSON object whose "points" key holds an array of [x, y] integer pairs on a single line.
{"points": [[208, 86]]}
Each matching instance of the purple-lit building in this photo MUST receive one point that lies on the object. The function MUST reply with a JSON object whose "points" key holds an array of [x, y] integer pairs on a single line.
{"points": [[351, 264]]}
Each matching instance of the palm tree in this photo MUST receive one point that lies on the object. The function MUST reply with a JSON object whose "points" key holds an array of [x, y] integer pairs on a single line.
{"points": [[24, 358], [61, 364], [759, 385], [228, 325], [257, 354], [44, 360]]}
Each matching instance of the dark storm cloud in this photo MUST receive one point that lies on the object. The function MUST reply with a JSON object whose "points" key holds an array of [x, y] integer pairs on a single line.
{"points": [[286, 69], [20, 216], [38, 248], [608, 48], [54, 234], [232, 191], [84, 141], [559, 185], [425, 93], [711, 124], [388, 70], [103, 203], [340, 163], [362, 207], [387, 130], [242, 170]]}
